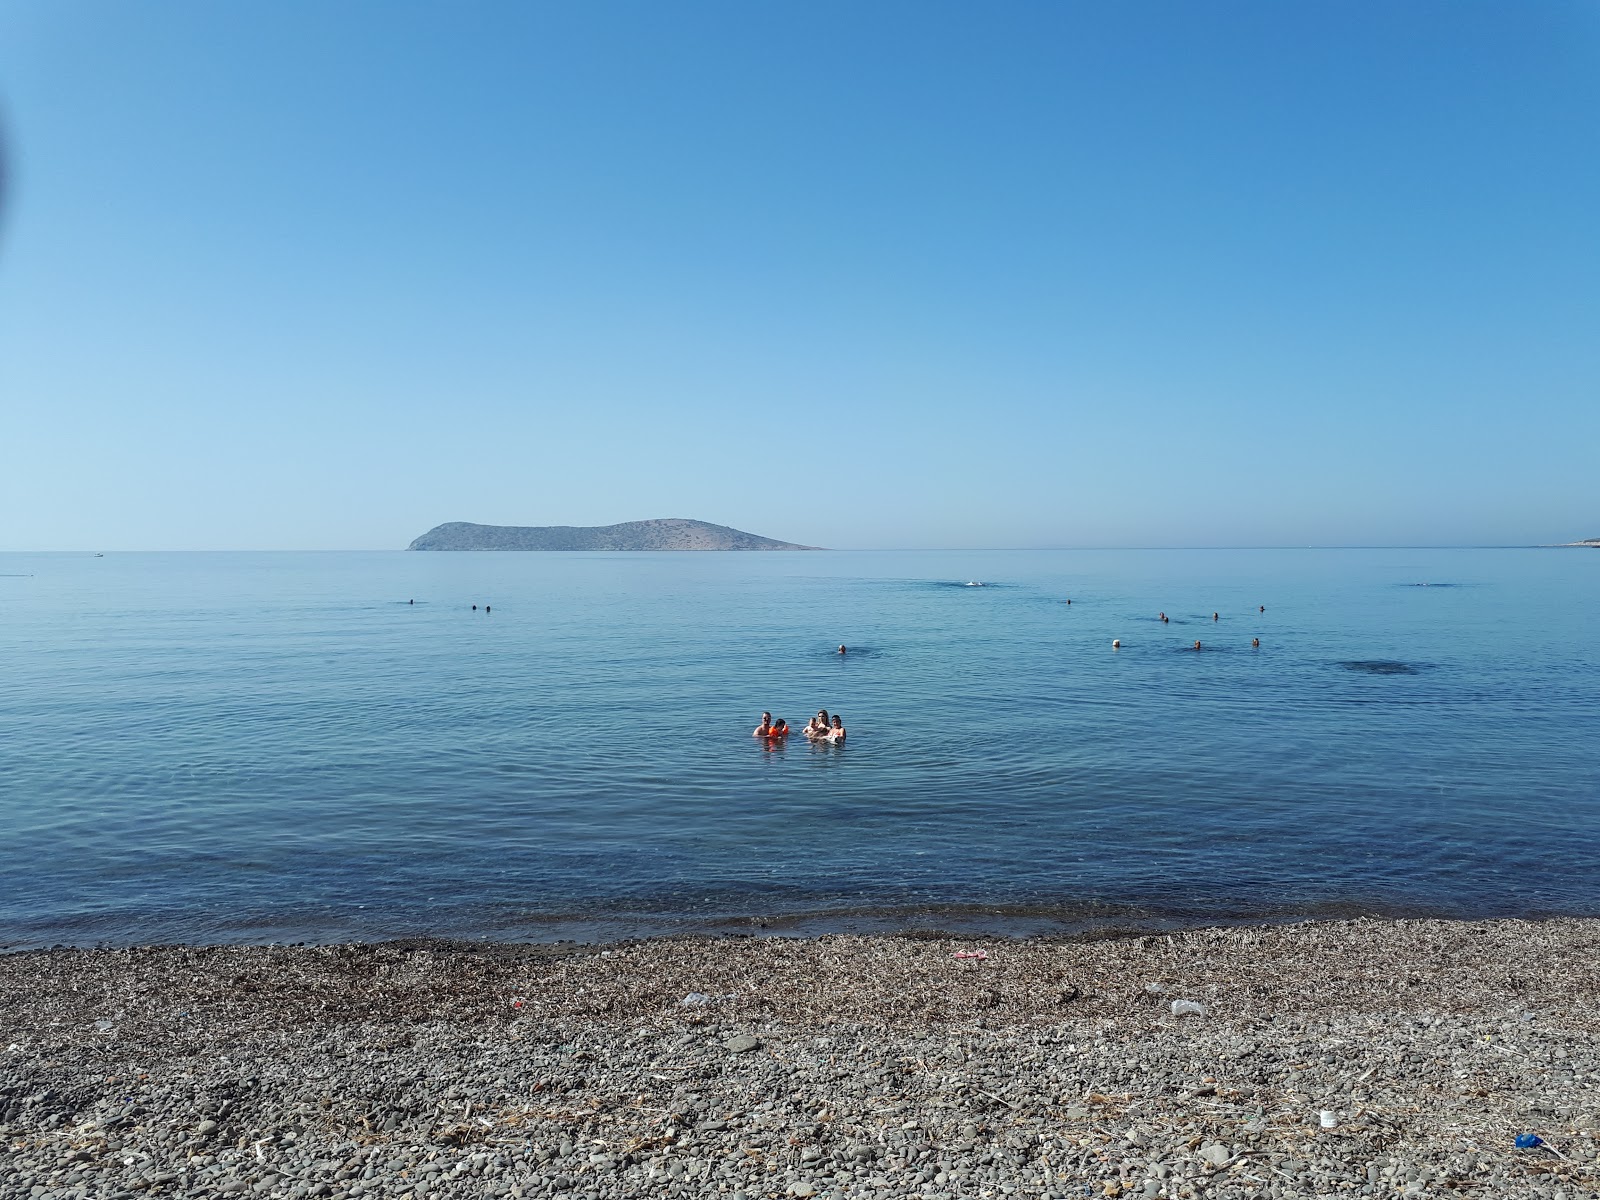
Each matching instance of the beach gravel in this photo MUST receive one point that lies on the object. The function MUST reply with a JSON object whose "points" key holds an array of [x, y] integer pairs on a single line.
{"points": [[1356, 1058]]}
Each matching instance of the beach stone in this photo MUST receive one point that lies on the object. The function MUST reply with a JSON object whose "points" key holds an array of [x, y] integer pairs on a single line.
{"points": [[742, 1044], [880, 1108]]}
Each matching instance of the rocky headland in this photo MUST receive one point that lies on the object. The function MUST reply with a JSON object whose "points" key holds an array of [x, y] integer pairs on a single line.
{"points": [[1361, 1058], [667, 534]]}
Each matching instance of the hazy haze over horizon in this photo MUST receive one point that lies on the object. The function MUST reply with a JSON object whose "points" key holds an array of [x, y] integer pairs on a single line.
{"points": [[323, 277]]}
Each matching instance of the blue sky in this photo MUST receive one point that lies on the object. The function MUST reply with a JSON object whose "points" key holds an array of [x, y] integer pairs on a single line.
{"points": [[303, 275]]}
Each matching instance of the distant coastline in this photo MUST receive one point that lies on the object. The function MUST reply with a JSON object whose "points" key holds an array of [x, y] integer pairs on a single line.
{"points": [[1593, 542], [665, 534]]}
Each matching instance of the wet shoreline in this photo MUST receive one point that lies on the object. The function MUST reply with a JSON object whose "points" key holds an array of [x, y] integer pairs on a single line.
{"points": [[1013, 921]]}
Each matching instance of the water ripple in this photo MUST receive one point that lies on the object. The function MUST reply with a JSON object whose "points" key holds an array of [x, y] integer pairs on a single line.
{"points": [[258, 746]]}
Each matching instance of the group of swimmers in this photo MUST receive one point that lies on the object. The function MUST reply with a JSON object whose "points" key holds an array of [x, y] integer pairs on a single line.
{"points": [[1255, 642], [821, 728]]}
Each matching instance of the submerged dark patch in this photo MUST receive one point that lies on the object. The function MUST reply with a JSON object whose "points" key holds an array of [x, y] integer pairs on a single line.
{"points": [[1381, 667]]}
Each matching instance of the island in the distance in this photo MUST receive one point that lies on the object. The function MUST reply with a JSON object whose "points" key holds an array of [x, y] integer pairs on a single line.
{"points": [[669, 534]]}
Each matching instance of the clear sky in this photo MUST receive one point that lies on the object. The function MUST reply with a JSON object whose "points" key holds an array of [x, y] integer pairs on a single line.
{"points": [[322, 275]]}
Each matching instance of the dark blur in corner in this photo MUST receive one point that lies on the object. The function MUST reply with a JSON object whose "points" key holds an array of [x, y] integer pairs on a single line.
{"points": [[5, 179]]}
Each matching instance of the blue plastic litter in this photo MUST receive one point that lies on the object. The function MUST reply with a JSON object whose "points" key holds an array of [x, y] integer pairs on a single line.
{"points": [[1527, 1141]]}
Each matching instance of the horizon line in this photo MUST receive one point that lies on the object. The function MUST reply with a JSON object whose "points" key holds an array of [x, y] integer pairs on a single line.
{"points": [[842, 550]]}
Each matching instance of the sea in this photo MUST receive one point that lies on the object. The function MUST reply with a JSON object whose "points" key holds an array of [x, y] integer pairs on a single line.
{"points": [[319, 747]]}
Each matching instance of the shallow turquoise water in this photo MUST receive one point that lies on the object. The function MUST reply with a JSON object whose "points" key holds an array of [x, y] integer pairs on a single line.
{"points": [[214, 747]]}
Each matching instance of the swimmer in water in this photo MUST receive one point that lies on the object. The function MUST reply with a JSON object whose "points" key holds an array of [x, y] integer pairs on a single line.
{"points": [[1213, 616], [779, 731], [765, 728], [818, 725], [1163, 617], [836, 734], [1255, 643], [1197, 644], [1262, 608], [841, 649]]}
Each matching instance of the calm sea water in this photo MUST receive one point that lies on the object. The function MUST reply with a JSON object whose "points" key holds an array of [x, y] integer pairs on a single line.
{"points": [[221, 747]]}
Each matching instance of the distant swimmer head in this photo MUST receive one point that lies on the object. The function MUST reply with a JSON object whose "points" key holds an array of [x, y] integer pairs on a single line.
{"points": [[1213, 616], [485, 608], [1256, 643], [1116, 643], [474, 608], [841, 649], [410, 601], [1262, 608], [1069, 599], [1197, 644]]}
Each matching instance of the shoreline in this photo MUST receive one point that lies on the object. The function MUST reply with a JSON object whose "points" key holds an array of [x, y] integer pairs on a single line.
{"points": [[1008, 921], [835, 1066]]}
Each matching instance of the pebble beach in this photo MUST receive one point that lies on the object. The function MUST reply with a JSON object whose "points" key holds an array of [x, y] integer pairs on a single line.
{"points": [[1360, 1058]]}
